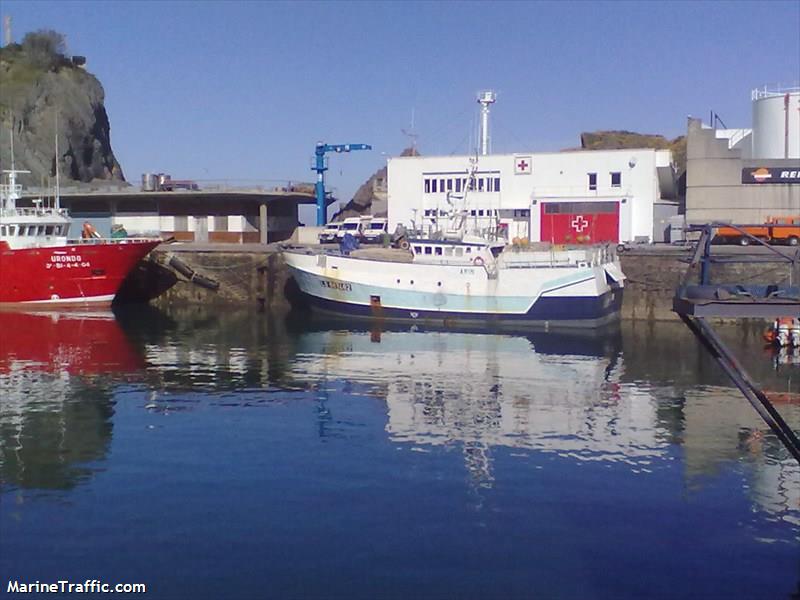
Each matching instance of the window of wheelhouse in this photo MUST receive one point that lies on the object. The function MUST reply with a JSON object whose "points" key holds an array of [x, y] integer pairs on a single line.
{"points": [[592, 181], [49, 229]]}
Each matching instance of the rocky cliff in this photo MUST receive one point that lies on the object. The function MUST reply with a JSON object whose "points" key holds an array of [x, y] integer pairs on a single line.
{"points": [[371, 198], [39, 88]]}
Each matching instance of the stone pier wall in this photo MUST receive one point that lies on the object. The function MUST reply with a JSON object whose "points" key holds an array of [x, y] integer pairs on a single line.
{"points": [[260, 278]]}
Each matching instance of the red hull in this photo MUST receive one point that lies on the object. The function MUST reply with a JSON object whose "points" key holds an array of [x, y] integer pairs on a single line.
{"points": [[80, 344], [77, 274]]}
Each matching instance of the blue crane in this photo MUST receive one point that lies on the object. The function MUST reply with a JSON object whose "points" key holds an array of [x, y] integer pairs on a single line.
{"points": [[321, 167]]}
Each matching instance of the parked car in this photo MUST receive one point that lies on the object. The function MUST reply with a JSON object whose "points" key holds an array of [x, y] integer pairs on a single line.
{"points": [[329, 233], [374, 230]]}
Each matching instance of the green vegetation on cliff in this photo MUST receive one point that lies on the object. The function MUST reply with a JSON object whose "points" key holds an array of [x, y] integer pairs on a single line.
{"points": [[614, 140], [40, 86]]}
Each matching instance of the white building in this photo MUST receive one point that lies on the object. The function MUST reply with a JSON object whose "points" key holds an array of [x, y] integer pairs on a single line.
{"points": [[580, 196]]}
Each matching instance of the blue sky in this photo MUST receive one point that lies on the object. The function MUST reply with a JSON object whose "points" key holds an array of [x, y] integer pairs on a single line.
{"points": [[244, 90]]}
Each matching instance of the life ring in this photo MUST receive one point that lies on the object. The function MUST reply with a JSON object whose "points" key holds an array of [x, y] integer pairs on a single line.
{"points": [[478, 261]]}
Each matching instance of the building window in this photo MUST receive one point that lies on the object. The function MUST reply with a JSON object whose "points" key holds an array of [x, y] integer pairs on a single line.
{"points": [[221, 223], [449, 185], [592, 181], [480, 184], [496, 184], [458, 185], [427, 186], [616, 179], [427, 249], [433, 185], [438, 251]]}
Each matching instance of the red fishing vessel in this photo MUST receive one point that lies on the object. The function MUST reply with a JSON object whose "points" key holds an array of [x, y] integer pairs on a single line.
{"points": [[41, 265]]}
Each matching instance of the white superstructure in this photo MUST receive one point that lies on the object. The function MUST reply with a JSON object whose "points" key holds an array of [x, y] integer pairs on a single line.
{"points": [[514, 190]]}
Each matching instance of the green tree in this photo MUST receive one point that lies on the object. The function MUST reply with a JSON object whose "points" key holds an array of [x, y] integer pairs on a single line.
{"points": [[44, 48]]}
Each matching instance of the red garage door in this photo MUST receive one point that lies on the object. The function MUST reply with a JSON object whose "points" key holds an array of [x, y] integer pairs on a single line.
{"points": [[580, 222]]}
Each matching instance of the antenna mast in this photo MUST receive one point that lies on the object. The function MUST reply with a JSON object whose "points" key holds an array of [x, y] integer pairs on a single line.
{"points": [[485, 99]]}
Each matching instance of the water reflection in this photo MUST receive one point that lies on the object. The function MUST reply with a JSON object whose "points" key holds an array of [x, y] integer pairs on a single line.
{"points": [[56, 382], [482, 391], [618, 399], [646, 398]]}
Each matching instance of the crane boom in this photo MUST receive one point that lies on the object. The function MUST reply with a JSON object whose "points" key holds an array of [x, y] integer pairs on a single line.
{"points": [[320, 167]]}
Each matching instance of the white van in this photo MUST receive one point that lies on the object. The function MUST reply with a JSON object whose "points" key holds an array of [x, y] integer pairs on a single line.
{"points": [[374, 230], [329, 233], [351, 225]]}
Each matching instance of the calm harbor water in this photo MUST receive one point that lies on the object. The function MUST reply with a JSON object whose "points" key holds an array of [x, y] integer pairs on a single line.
{"points": [[231, 455]]}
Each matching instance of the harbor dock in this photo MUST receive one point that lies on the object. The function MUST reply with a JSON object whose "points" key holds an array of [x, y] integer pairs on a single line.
{"points": [[256, 275]]}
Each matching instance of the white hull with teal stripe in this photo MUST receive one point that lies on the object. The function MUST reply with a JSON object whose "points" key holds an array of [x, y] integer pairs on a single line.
{"points": [[466, 283]]}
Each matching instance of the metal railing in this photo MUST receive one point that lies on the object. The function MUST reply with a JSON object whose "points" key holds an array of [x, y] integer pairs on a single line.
{"points": [[776, 90]]}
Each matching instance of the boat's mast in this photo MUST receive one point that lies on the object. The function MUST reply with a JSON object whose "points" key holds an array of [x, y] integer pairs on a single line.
{"points": [[58, 188], [12, 177], [12, 191]]}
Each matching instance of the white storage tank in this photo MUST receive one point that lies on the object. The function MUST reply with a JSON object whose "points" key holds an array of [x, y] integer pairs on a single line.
{"points": [[776, 122]]}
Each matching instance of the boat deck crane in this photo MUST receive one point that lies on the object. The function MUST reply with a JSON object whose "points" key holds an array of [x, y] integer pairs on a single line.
{"points": [[321, 166]]}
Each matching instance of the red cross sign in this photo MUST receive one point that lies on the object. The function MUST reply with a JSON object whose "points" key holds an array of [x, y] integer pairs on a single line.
{"points": [[522, 165], [579, 223]]}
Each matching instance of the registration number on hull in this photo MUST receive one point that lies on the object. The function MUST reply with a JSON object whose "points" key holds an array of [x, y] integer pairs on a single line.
{"points": [[337, 285]]}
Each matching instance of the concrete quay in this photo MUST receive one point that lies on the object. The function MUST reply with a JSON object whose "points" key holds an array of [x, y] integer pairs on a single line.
{"points": [[256, 275]]}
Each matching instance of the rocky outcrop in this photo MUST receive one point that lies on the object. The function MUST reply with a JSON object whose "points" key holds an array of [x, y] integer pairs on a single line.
{"points": [[371, 198], [614, 140], [43, 94]]}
